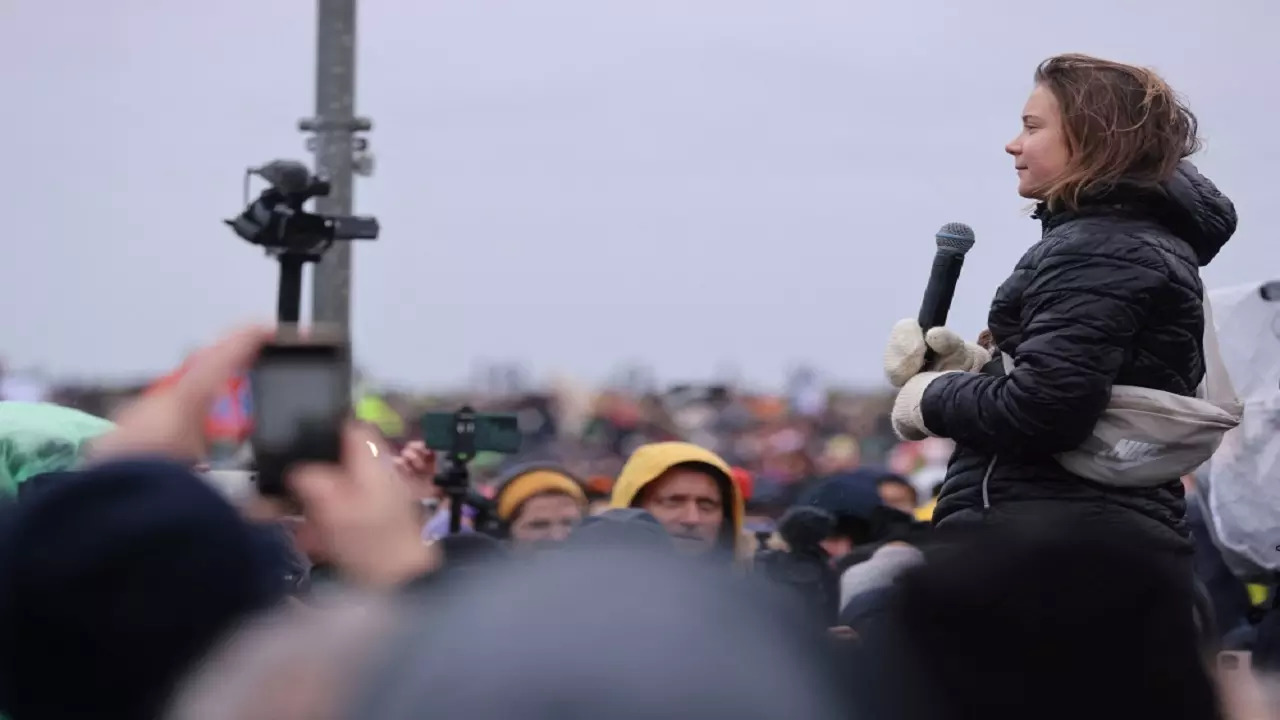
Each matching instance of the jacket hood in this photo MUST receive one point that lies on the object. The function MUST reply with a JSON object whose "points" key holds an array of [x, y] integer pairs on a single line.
{"points": [[648, 462], [1198, 212], [1188, 204]]}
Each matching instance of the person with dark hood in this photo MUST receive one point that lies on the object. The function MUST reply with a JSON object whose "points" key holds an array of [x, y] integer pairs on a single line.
{"points": [[862, 520], [1110, 296], [538, 505], [870, 542], [114, 581], [690, 490], [804, 567], [1039, 621]]}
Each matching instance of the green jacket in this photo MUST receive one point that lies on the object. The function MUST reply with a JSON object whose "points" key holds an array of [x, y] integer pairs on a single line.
{"points": [[41, 437]]}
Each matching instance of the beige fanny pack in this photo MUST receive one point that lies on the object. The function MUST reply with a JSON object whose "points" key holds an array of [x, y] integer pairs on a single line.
{"points": [[1149, 437]]}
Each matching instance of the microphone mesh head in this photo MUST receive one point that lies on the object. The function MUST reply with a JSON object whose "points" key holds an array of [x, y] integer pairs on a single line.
{"points": [[956, 237]]}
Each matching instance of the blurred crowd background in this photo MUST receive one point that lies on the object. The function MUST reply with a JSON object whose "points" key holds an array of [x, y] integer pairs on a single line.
{"points": [[782, 442]]}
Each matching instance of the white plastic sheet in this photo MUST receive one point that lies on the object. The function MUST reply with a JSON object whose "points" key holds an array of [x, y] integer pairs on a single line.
{"points": [[1244, 475]]}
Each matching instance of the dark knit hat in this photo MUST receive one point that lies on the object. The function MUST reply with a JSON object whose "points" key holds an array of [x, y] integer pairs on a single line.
{"points": [[852, 494], [621, 528], [471, 550], [114, 582]]}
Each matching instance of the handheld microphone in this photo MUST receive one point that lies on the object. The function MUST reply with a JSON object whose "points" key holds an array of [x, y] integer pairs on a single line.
{"points": [[954, 240]]}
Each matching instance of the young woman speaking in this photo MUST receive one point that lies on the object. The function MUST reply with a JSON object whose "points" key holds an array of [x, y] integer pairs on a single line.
{"points": [[1110, 296]]}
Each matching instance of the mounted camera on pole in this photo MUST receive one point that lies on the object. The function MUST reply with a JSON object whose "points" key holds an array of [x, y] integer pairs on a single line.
{"points": [[293, 236]]}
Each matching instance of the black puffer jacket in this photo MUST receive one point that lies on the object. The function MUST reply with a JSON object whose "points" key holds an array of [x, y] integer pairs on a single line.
{"points": [[1110, 295]]}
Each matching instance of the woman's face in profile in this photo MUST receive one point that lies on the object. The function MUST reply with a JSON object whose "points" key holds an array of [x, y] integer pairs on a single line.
{"points": [[1040, 150]]}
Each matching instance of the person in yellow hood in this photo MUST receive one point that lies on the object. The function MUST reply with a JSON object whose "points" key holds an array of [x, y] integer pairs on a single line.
{"points": [[689, 490]]}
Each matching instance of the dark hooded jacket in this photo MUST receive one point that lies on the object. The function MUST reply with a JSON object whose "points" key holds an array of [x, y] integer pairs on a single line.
{"points": [[1111, 295], [114, 582]]}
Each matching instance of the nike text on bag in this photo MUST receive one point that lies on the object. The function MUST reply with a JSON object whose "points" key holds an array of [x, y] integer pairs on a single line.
{"points": [[1149, 437]]}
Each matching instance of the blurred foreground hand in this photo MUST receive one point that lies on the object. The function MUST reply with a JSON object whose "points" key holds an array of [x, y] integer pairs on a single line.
{"points": [[170, 422], [364, 514]]}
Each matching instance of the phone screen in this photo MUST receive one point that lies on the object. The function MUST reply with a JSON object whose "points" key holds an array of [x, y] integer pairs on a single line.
{"points": [[494, 432], [301, 396], [292, 394]]}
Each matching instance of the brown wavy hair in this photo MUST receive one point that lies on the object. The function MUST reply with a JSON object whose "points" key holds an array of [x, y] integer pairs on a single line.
{"points": [[1119, 121]]}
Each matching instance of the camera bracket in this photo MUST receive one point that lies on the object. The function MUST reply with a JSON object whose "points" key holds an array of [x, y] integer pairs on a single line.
{"points": [[277, 221]]}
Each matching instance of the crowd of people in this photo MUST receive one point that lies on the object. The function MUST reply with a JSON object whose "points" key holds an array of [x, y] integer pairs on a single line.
{"points": [[780, 444], [977, 544]]}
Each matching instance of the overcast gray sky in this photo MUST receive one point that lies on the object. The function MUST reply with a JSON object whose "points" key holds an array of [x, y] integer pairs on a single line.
{"points": [[699, 184]]}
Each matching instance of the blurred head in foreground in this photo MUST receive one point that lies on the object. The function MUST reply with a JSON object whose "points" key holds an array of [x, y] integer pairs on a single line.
{"points": [[294, 664], [624, 632], [1044, 623], [114, 581]]}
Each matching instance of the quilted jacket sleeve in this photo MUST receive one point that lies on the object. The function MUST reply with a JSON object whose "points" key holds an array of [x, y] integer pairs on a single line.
{"points": [[1088, 297]]}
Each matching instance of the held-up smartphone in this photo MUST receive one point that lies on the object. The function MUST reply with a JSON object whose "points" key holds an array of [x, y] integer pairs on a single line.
{"points": [[494, 432], [301, 394]]}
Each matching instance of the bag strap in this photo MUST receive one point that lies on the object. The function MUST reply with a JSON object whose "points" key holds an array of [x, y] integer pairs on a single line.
{"points": [[1217, 388]]}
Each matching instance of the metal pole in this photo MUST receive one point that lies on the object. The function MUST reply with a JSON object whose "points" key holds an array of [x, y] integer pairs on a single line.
{"points": [[334, 126]]}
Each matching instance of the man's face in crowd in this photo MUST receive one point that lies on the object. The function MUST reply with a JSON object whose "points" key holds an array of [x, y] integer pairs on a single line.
{"points": [[898, 496], [547, 518], [689, 505]]}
